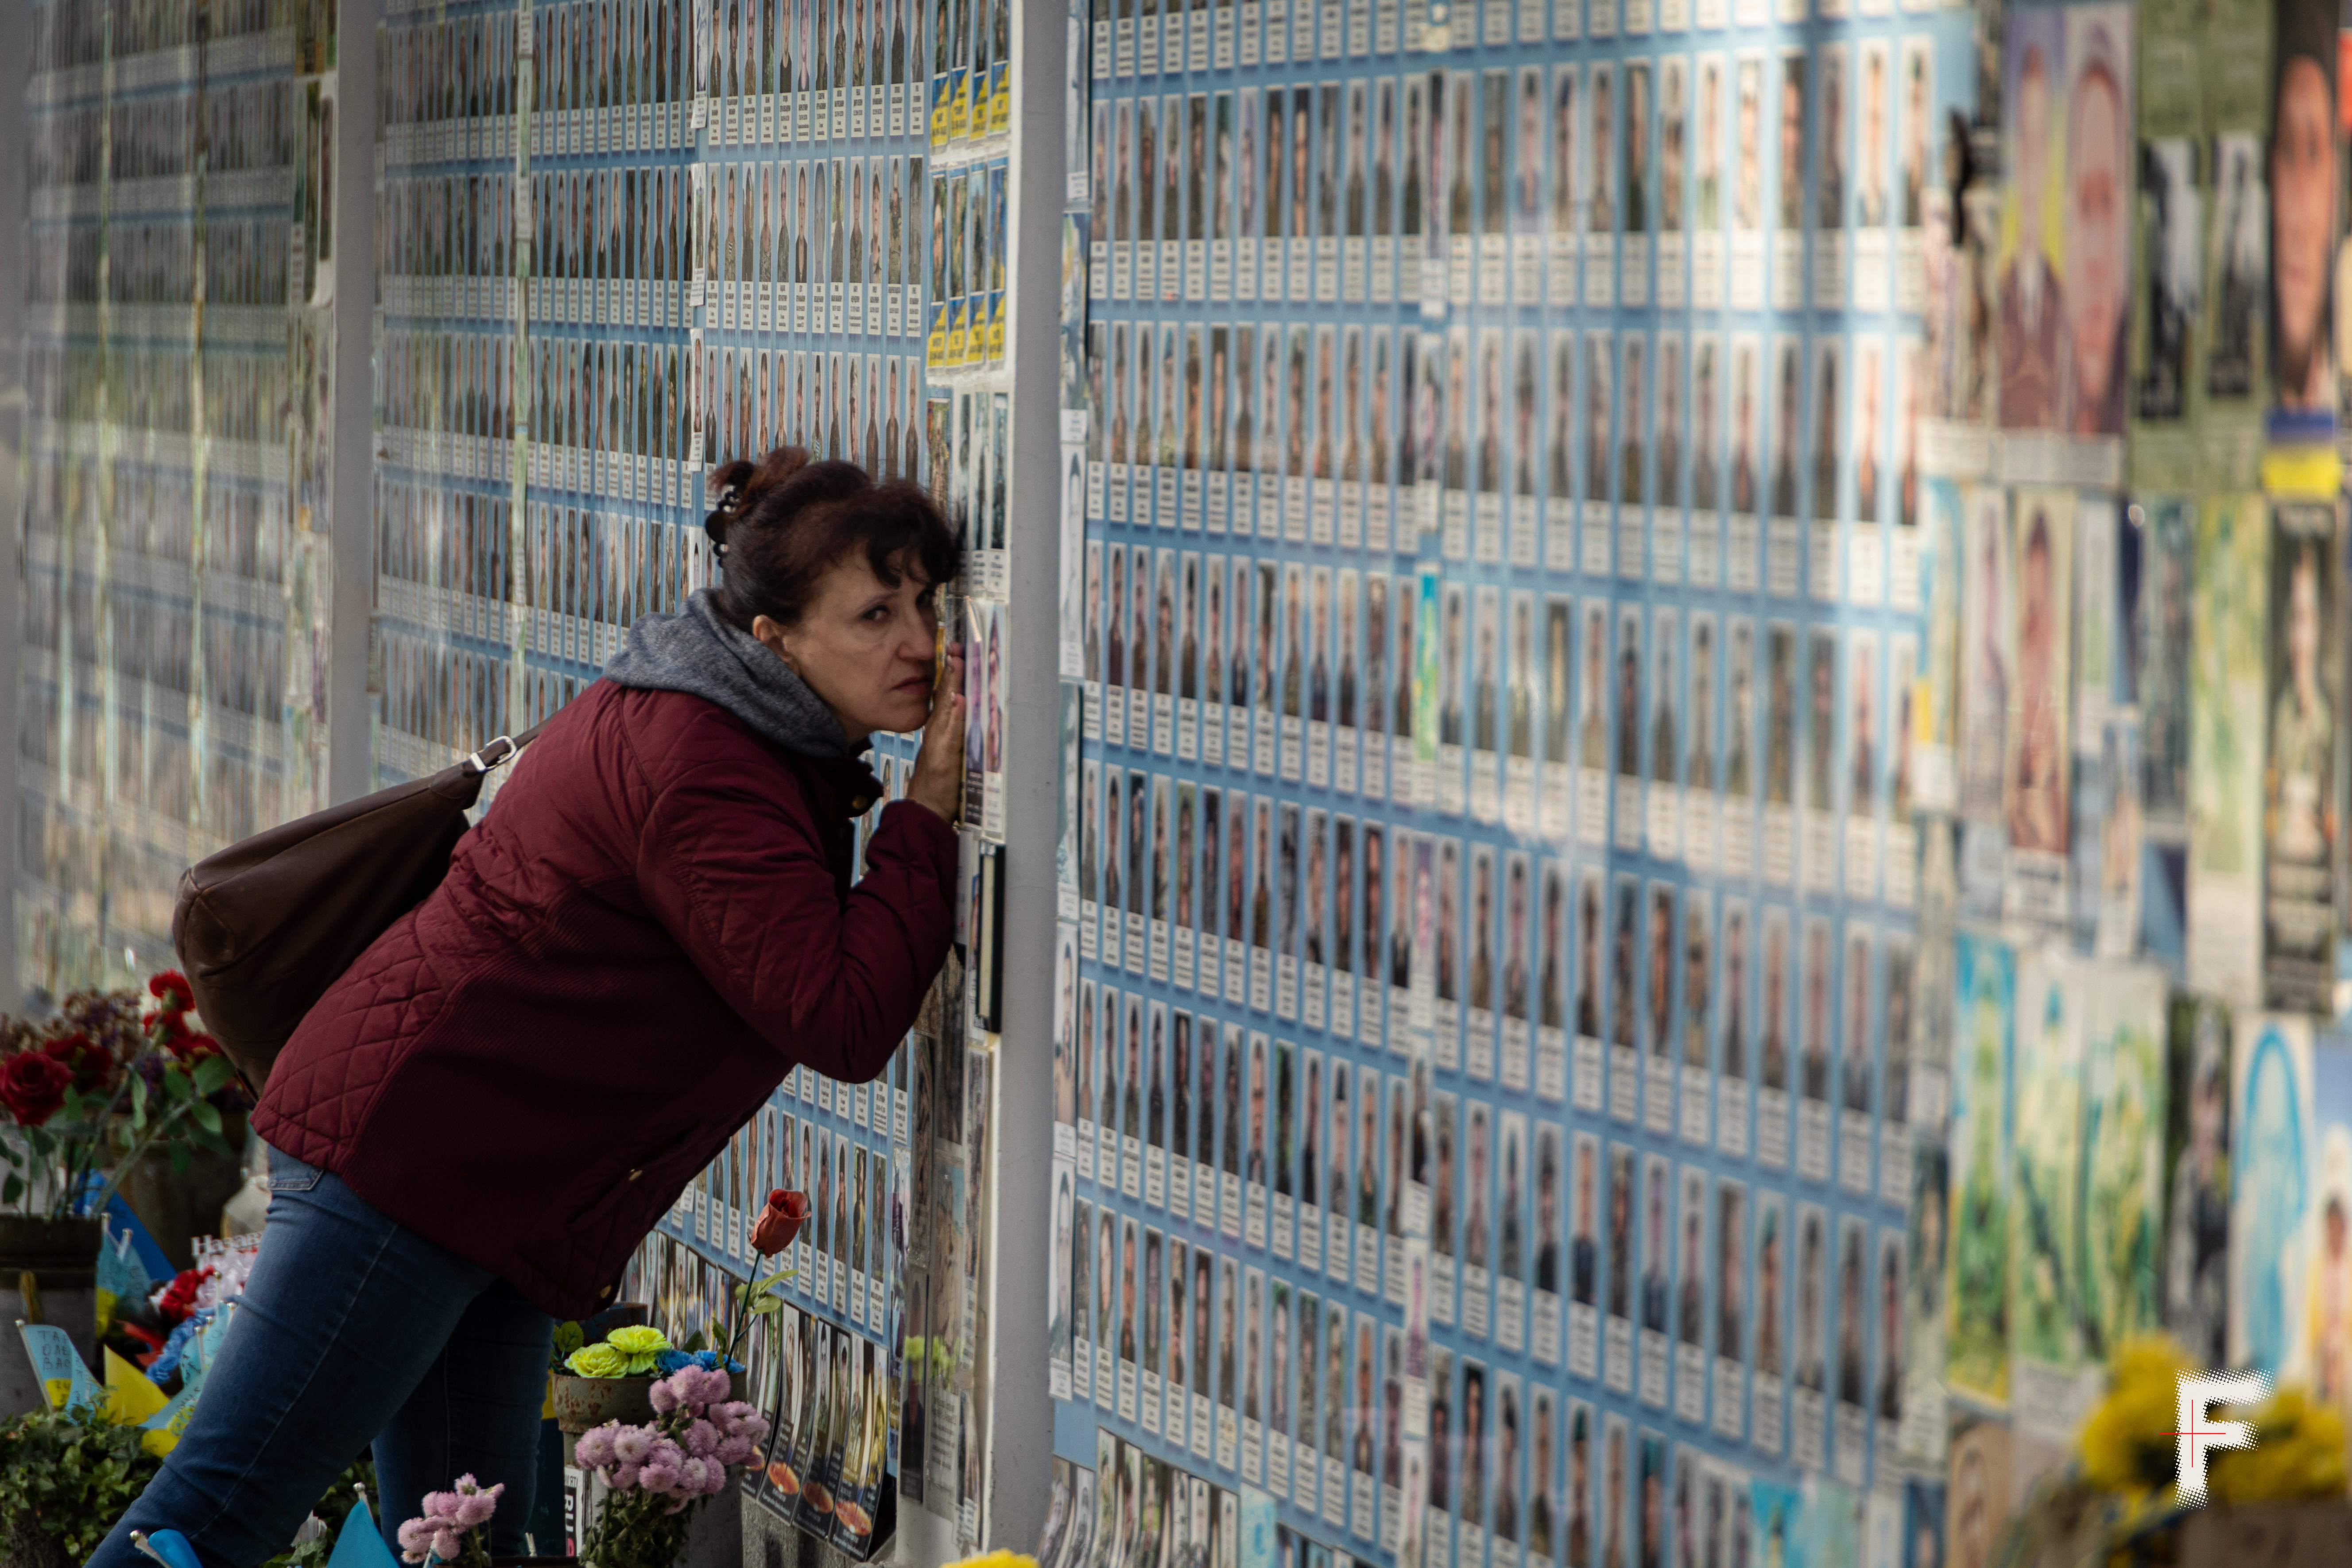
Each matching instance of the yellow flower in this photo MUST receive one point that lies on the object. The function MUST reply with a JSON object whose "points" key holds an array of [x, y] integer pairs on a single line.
{"points": [[2299, 1454], [2126, 1444], [999, 1558]]}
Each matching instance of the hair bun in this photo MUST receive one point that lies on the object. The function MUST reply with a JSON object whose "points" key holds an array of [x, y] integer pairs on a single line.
{"points": [[780, 465]]}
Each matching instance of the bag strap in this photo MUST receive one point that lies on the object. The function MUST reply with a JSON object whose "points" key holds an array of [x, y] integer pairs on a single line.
{"points": [[502, 750]]}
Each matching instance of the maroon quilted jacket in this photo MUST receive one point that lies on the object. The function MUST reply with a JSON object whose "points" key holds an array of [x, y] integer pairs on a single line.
{"points": [[651, 927]]}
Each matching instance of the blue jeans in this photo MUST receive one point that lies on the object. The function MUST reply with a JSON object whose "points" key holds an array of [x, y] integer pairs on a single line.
{"points": [[352, 1331]]}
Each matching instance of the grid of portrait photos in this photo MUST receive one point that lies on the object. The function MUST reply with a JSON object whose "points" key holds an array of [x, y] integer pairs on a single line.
{"points": [[620, 244], [1495, 582], [1605, 552], [175, 551]]}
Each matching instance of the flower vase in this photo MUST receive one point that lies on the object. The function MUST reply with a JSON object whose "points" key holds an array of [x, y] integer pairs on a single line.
{"points": [[581, 1402], [178, 1206], [60, 1256]]}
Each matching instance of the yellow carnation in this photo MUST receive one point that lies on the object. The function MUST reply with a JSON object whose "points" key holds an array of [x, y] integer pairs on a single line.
{"points": [[2126, 1444], [998, 1559], [2299, 1456]]}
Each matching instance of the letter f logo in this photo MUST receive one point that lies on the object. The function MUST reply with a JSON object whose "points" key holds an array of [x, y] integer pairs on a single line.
{"points": [[2199, 1436]]}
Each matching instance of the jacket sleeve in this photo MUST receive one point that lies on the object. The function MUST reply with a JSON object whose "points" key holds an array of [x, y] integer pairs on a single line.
{"points": [[733, 867]]}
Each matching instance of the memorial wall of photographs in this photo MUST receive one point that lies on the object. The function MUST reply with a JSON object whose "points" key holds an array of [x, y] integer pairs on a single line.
{"points": [[179, 294], [1485, 1101], [621, 243], [1674, 909]]}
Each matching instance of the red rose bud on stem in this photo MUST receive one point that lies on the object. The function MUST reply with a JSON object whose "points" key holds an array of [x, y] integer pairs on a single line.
{"points": [[780, 1222]]}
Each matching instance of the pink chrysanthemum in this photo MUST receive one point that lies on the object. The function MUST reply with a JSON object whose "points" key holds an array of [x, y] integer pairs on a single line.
{"points": [[596, 1445]]}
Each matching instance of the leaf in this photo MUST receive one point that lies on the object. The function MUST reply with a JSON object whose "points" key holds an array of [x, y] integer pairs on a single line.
{"points": [[12, 1189], [767, 1306], [214, 1074], [179, 1159], [206, 1115], [771, 1281], [138, 1103]]}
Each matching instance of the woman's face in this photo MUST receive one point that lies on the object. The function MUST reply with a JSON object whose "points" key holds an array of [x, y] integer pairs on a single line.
{"points": [[2303, 174], [864, 647]]}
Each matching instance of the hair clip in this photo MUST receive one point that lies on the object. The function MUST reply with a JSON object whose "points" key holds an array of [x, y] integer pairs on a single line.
{"points": [[728, 500]]}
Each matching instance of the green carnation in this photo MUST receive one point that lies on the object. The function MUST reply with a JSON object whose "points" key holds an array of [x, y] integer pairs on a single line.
{"points": [[598, 1361], [641, 1346]]}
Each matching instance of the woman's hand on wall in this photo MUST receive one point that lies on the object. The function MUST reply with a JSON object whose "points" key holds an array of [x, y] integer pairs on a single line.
{"points": [[939, 764]]}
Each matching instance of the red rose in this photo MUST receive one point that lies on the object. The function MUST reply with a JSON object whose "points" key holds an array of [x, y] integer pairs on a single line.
{"points": [[780, 1222], [32, 1086], [89, 1068]]}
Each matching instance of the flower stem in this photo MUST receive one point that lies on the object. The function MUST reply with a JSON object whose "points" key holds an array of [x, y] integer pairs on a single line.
{"points": [[147, 1139]]}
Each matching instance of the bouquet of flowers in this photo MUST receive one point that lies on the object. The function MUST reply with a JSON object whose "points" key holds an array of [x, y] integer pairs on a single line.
{"points": [[656, 1472], [451, 1528], [98, 1085], [2118, 1500], [2128, 1444]]}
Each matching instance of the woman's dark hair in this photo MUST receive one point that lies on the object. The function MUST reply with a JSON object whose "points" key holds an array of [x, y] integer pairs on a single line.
{"points": [[783, 522]]}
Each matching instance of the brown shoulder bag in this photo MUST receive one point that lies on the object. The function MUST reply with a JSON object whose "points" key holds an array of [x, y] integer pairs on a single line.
{"points": [[264, 927]]}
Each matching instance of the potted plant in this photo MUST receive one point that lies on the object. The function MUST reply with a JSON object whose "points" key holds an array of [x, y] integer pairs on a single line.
{"points": [[613, 1380], [92, 1092], [610, 1380], [64, 1478], [179, 1148], [84, 1097]]}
